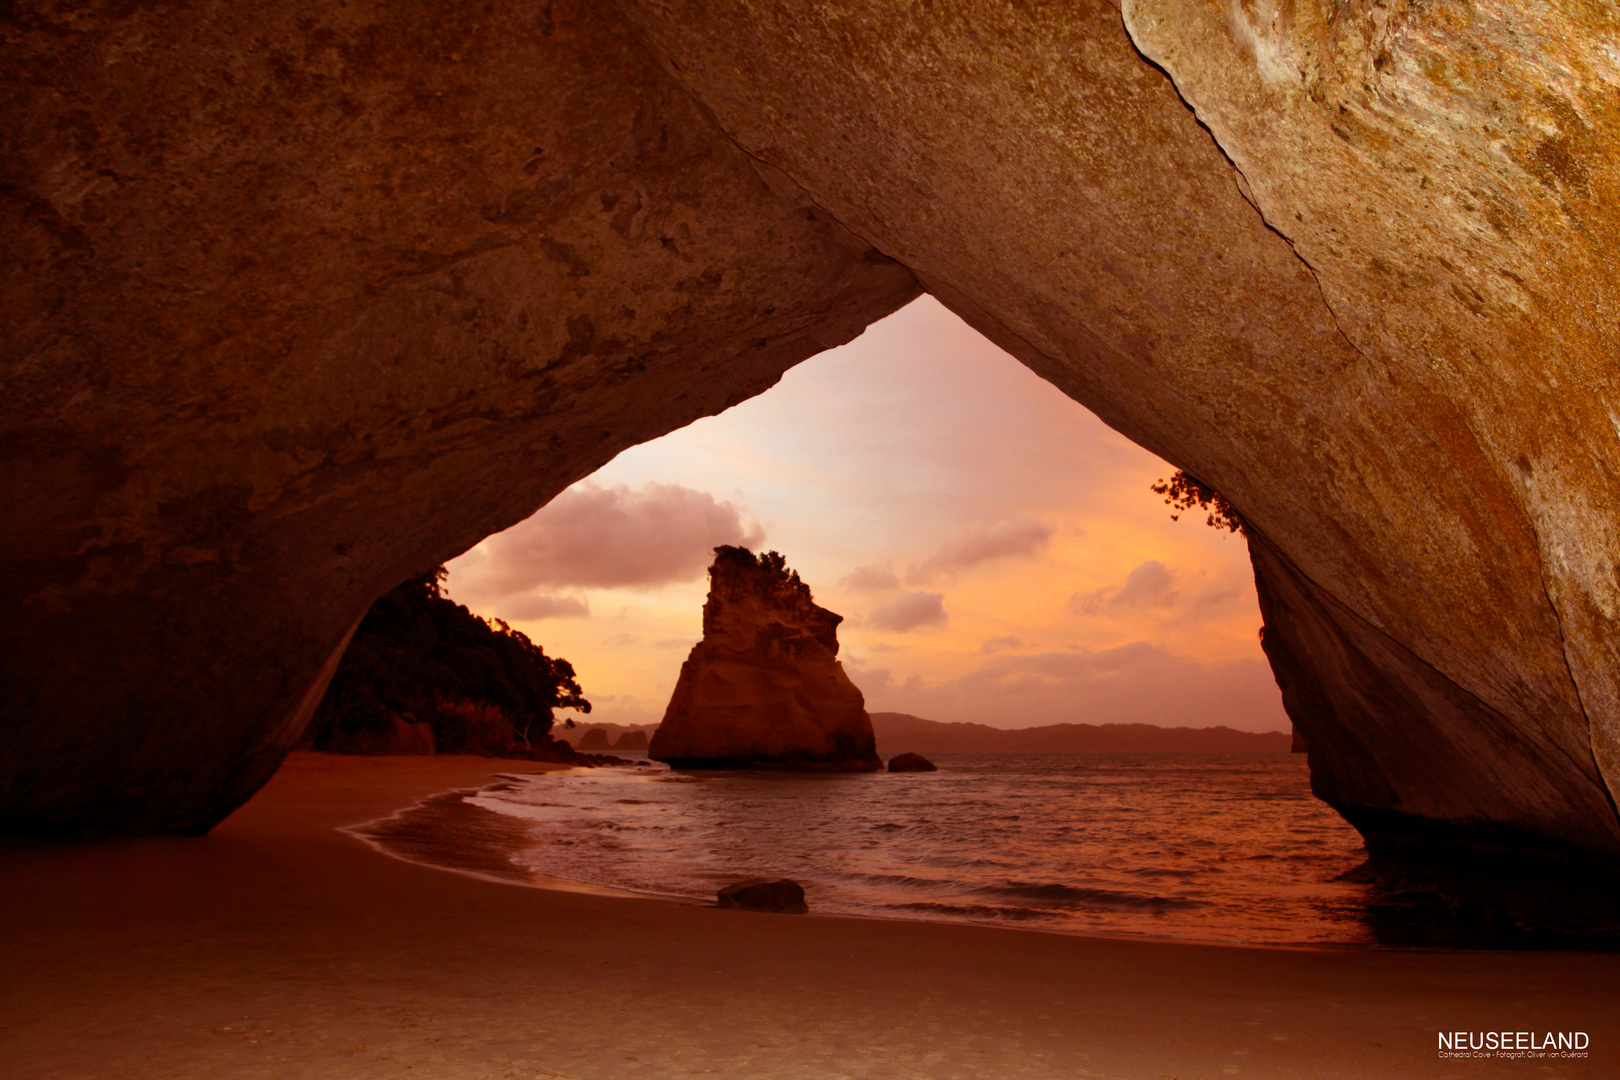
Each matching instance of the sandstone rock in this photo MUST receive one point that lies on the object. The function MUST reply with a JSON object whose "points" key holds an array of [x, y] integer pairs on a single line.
{"points": [[761, 894], [305, 298], [911, 763], [764, 688], [1449, 178], [1384, 334], [402, 737]]}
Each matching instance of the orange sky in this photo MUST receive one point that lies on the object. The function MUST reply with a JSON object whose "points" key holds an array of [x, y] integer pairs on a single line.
{"points": [[993, 546]]}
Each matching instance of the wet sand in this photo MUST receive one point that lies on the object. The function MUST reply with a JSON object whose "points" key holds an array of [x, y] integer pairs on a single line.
{"points": [[280, 947]]}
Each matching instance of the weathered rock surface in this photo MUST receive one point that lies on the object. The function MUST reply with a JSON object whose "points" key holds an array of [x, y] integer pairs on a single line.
{"points": [[1450, 176], [400, 737], [1387, 335], [762, 894], [911, 763], [304, 298], [764, 688]]}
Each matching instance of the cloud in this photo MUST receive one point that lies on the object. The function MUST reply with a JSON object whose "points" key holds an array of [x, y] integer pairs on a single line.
{"points": [[870, 680], [1136, 683], [1076, 664], [1148, 586], [532, 606], [604, 537], [622, 640], [1004, 540], [997, 644], [909, 611], [870, 579], [1155, 587]]}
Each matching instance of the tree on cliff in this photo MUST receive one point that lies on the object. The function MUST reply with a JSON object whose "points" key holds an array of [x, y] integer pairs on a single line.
{"points": [[1183, 492], [774, 563], [419, 656]]}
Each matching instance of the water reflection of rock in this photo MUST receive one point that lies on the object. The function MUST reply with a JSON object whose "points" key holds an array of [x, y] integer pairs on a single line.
{"points": [[764, 688]]}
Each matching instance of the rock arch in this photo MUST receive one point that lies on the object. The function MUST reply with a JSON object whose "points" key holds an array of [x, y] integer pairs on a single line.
{"points": [[314, 297]]}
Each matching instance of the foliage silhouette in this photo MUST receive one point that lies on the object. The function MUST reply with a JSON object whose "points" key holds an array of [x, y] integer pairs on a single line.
{"points": [[774, 563], [1183, 492], [420, 657]]}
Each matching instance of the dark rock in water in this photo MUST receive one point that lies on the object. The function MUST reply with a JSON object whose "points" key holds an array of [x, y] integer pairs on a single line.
{"points": [[760, 894], [631, 740], [594, 739], [764, 688], [911, 763], [1459, 891]]}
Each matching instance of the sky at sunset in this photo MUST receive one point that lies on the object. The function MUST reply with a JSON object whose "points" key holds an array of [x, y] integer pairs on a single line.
{"points": [[994, 548]]}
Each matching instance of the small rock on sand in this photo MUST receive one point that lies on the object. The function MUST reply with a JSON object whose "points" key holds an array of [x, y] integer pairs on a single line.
{"points": [[760, 894]]}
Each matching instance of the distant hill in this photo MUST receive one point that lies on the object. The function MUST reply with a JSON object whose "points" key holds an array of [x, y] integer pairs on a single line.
{"points": [[900, 733]]}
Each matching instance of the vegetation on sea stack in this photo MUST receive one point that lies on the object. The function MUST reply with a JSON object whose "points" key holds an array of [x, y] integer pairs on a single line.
{"points": [[420, 657], [773, 563]]}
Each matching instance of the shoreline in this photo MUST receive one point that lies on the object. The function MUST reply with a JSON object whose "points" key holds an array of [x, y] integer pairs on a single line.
{"points": [[439, 815], [280, 945], [421, 834], [446, 816]]}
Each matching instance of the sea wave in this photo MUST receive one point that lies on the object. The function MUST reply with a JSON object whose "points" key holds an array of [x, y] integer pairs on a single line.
{"points": [[1073, 896], [1198, 847]]}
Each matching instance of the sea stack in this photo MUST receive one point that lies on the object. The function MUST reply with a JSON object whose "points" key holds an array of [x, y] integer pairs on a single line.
{"points": [[764, 688]]}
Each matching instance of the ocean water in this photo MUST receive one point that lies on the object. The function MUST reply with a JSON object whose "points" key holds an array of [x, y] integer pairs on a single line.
{"points": [[1193, 847]]}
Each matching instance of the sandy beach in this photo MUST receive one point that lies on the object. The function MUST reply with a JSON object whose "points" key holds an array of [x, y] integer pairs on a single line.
{"points": [[281, 947]]}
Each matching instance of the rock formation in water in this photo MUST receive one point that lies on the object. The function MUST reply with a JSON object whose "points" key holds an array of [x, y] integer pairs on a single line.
{"points": [[305, 297], [764, 688], [631, 740], [911, 763]]}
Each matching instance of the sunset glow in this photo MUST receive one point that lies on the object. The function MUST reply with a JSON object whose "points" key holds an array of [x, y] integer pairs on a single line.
{"points": [[994, 547]]}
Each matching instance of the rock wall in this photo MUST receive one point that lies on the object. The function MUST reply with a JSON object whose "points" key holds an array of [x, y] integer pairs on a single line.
{"points": [[764, 688], [302, 300], [1385, 333], [305, 298]]}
